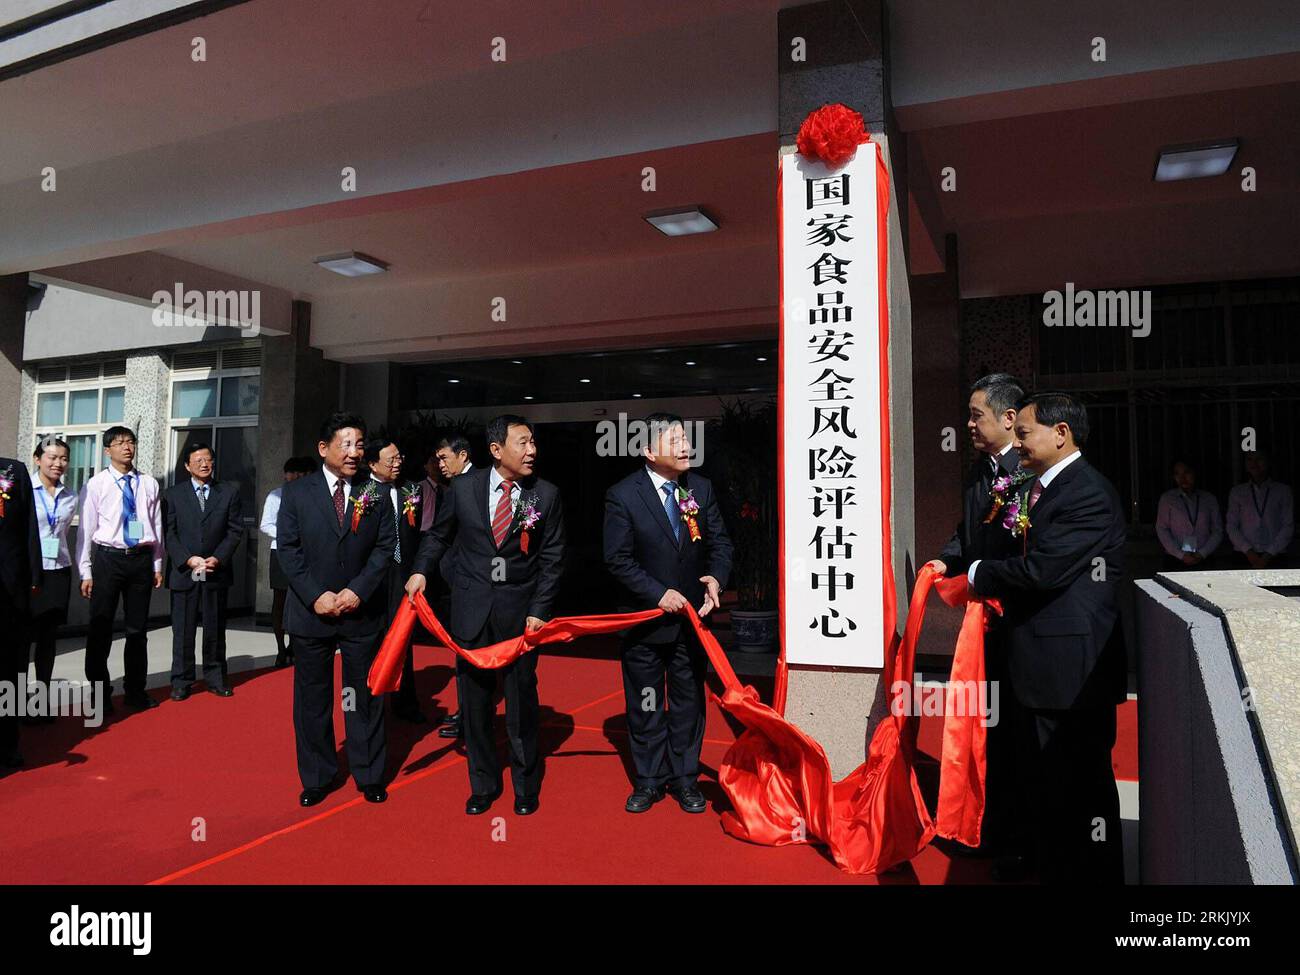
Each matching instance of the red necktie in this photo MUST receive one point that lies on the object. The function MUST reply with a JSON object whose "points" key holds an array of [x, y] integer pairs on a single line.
{"points": [[1034, 492], [338, 500], [501, 519]]}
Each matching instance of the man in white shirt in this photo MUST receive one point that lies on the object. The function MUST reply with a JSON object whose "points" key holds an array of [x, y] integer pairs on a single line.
{"points": [[1187, 522], [294, 468], [121, 553], [1261, 517]]}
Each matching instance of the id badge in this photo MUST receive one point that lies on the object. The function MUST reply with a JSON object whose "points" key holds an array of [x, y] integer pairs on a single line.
{"points": [[133, 529], [49, 548], [1189, 545]]}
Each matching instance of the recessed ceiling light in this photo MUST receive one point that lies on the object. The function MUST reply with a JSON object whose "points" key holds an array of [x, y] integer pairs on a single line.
{"points": [[636, 395], [584, 380], [527, 397], [679, 223], [351, 264], [1195, 161], [453, 380], [690, 362], [762, 358], [518, 362]]}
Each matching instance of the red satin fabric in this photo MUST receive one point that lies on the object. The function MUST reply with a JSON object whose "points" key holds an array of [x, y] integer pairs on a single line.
{"points": [[777, 778]]}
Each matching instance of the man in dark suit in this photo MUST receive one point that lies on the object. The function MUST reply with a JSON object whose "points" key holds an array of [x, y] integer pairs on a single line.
{"points": [[335, 540], [661, 559], [991, 418], [403, 501], [1065, 656], [505, 529], [204, 521], [20, 572], [452, 459]]}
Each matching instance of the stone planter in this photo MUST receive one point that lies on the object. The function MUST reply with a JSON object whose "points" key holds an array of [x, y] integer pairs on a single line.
{"points": [[754, 632]]}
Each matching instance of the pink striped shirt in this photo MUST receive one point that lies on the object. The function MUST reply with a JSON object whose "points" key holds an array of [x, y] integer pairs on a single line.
{"points": [[101, 515]]}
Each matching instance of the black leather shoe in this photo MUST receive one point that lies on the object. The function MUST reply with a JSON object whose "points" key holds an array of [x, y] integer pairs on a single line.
{"points": [[642, 798], [374, 793], [691, 799], [525, 805], [412, 714], [451, 728], [140, 702], [221, 691], [180, 693], [477, 805], [311, 797]]}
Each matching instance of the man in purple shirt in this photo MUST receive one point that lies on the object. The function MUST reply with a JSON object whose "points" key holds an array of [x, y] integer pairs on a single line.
{"points": [[120, 554]]}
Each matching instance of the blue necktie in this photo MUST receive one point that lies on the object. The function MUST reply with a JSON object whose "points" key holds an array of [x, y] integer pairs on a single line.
{"points": [[674, 512], [128, 511], [203, 497]]}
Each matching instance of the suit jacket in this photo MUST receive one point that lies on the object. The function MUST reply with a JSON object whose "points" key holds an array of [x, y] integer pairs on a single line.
{"points": [[461, 531], [642, 553], [973, 539], [409, 536], [213, 530], [20, 543], [1063, 648], [318, 556]]}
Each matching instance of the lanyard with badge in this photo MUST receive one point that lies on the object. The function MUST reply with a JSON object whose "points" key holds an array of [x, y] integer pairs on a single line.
{"points": [[131, 534], [1193, 516], [50, 543], [1259, 508]]}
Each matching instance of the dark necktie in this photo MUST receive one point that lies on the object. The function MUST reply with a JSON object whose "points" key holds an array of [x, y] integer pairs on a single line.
{"points": [[501, 519], [339, 500], [673, 511], [203, 497], [397, 522]]}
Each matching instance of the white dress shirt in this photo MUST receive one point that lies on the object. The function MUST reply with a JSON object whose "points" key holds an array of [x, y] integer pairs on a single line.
{"points": [[1261, 517], [101, 515], [331, 480], [53, 518], [270, 512], [1188, 524], [1045, 478]]}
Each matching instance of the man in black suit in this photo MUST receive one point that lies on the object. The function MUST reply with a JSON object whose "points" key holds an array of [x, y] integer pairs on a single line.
{"points": [[204, 521], [505, 529], [661, 560], [403, 502], [20, 572], [1065, 656], [991, 418], [335, 538]]}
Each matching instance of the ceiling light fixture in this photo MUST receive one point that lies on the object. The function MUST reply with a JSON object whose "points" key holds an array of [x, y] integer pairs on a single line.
{"points": [[681, 222], [1195, 161], [352, 264]]}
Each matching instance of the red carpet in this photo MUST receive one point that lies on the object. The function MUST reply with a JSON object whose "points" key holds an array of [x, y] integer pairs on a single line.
{"points": [[120, 804]]}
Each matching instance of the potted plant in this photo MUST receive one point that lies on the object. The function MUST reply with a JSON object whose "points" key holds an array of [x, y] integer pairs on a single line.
{"points": [[742, 454]]}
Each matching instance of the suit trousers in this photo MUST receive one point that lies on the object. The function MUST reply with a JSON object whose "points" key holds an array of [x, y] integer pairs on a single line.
{"points": [[313, 710], [1069, 801], [13, 661], [665, 732], [128, 575], [405, 696], [186, 607], [477, 688]]}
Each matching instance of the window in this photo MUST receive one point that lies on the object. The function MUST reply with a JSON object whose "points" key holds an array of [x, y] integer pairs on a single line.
{"points": [[76, 402], [215, 398]]}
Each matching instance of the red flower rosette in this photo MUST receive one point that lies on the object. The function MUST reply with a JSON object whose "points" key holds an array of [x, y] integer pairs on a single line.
{"points": [[831, 134], [356, 518], [410, 517], [523, 541]]}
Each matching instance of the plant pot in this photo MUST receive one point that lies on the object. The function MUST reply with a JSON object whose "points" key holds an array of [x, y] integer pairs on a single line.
{"points": [[754, 631]]}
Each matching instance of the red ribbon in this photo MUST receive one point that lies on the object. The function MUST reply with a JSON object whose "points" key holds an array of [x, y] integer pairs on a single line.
{"points": [[778, 779]]}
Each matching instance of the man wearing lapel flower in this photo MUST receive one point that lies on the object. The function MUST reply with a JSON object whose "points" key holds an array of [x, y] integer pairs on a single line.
{"points": [[503, 529], [991, 424], [1065, 656], [335, 537], [666, 545]]}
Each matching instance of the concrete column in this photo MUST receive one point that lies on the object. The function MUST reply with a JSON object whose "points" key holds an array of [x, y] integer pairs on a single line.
{"points": [[299, 386], [13, 322], [846, 61]]}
